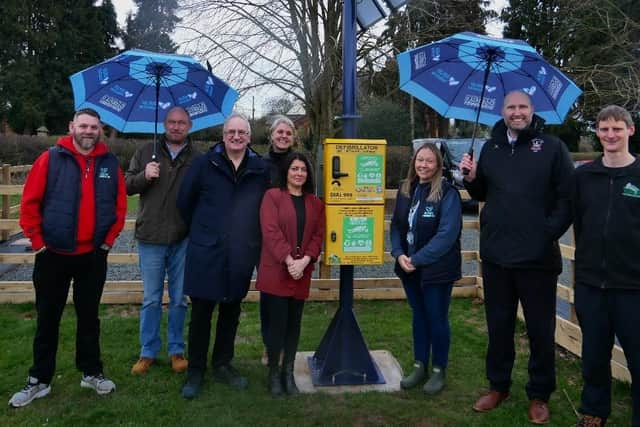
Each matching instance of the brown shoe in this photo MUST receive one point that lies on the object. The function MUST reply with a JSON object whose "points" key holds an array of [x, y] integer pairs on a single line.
{"points": [[142, 365], [178, 363], [490, 401], [590, 421], [538, 412]]}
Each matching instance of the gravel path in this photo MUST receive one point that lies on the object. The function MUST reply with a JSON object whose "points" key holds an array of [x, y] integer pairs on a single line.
{"points": [[126, 243]]}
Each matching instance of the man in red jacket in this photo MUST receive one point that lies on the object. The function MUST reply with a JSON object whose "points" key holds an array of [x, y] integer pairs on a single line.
{"points": [[73, 208]]}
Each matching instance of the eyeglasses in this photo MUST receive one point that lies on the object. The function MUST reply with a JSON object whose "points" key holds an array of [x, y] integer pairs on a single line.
{"points": [[238, 132]]}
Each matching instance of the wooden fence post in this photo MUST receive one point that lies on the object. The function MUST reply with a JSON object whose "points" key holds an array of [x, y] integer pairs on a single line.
{"points": [[6, 202], [573, 317]]}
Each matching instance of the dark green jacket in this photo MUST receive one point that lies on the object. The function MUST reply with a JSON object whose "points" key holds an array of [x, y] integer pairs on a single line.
{"points": [[158, 221]]}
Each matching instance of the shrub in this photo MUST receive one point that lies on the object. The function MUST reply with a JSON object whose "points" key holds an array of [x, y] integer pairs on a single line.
{"points": [[23, 149]]}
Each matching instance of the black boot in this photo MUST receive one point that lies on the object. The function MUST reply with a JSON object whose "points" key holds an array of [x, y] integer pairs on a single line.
{"points": [[273, 381], [288, 381], [275, 386]]}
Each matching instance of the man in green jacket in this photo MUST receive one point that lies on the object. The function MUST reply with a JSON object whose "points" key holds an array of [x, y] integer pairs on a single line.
{"points": [[156, 174]]}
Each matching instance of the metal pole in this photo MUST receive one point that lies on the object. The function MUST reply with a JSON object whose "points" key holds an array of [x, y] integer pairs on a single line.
{"points": [[155, 122], [349, 117], [342, 358], [485, 78]]}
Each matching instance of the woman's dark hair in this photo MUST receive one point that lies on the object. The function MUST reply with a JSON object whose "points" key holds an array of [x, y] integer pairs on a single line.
{"points": [[309, 185]]}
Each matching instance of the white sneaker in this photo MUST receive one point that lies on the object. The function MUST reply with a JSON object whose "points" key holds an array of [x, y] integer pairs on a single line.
{"points": [[98, 383], [33, 390]]}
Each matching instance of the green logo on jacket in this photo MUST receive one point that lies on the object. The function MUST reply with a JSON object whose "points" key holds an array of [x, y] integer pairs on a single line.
{"points": [[631, 190]]}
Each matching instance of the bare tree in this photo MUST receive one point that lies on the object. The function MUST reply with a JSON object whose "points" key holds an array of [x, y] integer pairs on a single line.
{"points": [[278, 105], [606, 54], [293, 45], [595, 41]]}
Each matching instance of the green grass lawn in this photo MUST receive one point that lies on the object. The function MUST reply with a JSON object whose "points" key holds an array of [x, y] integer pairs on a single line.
{"points": [[154, 399]]}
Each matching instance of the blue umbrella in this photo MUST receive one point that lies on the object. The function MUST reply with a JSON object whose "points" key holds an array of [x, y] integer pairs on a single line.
{"points": [[458, 74], [133, 91]]}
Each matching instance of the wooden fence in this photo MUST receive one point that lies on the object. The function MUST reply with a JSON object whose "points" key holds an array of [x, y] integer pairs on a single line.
{"points": [[323, 288]]}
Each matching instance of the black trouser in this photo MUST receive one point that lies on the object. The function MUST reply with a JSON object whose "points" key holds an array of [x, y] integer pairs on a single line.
{"points": [[283, 329], [264, 319], [536, 291], [604, 314], [200, 333], [52, 276]]}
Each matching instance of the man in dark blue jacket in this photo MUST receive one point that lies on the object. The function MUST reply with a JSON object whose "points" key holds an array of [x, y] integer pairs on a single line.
{"points": [[219, 200], [523, 176], [606, 202]]}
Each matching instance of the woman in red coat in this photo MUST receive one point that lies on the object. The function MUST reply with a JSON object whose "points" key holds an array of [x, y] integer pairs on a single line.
{"points": [[292, 223]]}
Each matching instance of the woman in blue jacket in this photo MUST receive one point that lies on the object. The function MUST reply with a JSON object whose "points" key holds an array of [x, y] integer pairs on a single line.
{"points": [[425, 240]]}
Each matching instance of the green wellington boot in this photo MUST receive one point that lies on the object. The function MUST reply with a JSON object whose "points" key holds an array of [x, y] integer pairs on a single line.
{"points": [[415, 377], [436, 381]]}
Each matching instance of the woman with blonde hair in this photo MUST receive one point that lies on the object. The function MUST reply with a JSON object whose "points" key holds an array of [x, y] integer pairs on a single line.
{"points": [[425, 240], [282, 138]]}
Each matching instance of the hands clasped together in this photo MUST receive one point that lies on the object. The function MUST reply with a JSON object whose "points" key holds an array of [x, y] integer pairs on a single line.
{"points": [[296, 266], [405, 264]]}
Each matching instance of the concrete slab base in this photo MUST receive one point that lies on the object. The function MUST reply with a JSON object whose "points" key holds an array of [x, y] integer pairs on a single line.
{"points": [[387, 364]]}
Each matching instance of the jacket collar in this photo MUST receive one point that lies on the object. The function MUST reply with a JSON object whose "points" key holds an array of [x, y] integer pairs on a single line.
{"points": [[499, 131], [163, 146], [66, 142], [219, 149], [598, 167]]}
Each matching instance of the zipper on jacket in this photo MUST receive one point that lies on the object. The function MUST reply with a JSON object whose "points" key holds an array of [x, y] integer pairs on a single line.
{"points": [[87, 167], [603, 285]]}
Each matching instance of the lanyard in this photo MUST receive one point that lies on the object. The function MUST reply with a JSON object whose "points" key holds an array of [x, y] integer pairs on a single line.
{"points": [[413, 210]]}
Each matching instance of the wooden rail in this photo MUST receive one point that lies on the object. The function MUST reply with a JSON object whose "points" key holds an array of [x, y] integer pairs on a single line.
{"points": [[323, 288], [9, 189]]}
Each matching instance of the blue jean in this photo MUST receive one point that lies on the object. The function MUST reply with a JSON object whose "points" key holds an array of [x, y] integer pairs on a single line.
{"points": [[431, 330], [155, 262]]}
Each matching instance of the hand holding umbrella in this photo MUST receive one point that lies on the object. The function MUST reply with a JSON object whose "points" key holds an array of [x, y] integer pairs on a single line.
{"points": [[152, 171], [468, 165]]}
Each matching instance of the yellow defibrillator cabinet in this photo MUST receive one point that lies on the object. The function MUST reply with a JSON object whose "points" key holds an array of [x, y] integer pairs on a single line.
{"points": [[354, 183]]}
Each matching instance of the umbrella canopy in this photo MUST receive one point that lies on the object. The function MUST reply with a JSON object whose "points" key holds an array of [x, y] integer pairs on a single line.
{"points": [[458, 74], [133, 91]]}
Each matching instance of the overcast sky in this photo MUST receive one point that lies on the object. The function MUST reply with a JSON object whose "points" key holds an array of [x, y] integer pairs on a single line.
{"points": [[122, 8], [125, 6]]}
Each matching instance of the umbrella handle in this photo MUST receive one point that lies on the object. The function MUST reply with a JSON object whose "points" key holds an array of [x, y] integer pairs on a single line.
{"points": [[466, 171]]}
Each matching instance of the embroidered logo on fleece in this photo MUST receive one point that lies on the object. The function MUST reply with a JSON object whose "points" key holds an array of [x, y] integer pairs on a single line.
{"points": [[536, 145], [631, 190], [429, 212], [104, 173]]}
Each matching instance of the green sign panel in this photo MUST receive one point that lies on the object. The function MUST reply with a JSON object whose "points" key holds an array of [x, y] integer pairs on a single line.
{"points": [[369, 169], [357, 234]]}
